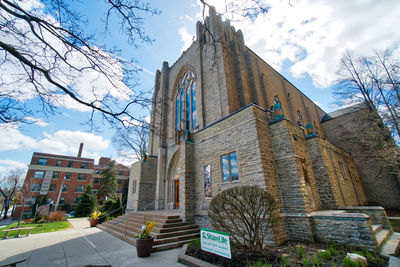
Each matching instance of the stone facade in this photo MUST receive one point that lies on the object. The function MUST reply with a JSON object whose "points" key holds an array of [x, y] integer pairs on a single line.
{"points": [[375, 153], [222, 134]]}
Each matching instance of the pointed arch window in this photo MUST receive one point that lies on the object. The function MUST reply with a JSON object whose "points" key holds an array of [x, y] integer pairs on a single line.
{"points": [[300, 120], [185, 103]]}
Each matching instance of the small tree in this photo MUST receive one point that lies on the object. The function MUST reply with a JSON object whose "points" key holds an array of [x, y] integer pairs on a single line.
{"points": [[86, 204], [246, 213], [108, 183], [8, 186]]}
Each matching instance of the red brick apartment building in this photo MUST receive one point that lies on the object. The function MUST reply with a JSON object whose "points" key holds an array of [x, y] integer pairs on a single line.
{"points": [[63, 178]]}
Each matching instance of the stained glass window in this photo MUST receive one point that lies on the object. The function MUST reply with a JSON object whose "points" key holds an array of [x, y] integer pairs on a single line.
{"points": [[185, 102]]}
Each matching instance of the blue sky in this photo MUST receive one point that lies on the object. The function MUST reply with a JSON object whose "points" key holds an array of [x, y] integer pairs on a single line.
{"points": [[303, 40]]}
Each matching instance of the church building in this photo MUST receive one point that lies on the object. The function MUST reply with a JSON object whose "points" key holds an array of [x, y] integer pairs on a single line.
{"points": [[222, 117]]}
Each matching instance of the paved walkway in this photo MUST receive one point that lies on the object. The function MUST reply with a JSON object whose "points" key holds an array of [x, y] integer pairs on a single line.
{"points": [[79, 246]]}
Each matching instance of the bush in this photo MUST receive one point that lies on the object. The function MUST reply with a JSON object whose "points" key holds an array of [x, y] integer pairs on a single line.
{"points": [[246, 213], [39, 219], [56, 216], [111, 205]]}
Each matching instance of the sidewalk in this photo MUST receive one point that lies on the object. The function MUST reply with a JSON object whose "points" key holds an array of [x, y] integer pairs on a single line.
{"points": [[79, 246]]}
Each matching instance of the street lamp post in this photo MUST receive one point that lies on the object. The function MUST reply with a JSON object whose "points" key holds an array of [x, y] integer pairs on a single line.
{"points": [[59, 193]]}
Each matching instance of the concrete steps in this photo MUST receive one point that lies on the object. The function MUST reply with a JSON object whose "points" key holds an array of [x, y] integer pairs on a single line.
{"points": [[388, 241], [169, 232], [392, 245], [382, 236]]}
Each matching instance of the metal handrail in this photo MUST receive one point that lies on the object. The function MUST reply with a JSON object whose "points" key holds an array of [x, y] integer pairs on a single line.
{"points": [[129, 216], [105, 215]]}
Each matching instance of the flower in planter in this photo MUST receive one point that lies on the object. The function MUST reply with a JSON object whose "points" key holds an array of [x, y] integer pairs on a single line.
{"points": [[146, 230], [95, 215]]}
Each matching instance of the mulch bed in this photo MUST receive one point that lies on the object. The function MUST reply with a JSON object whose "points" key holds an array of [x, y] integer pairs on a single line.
{"points": [[273, 256]]}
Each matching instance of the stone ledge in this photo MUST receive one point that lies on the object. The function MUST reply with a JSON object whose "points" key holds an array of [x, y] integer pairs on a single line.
{"points": [[340, 216], [191, 261], [363, 208]]}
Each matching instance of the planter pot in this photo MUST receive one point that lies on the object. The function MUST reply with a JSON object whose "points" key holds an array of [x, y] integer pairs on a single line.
{"points": [[93, 222], [144, 247]]}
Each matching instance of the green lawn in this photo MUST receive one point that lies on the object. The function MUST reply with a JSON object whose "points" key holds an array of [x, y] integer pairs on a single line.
{"points": [[395, 225], [39, 228]]}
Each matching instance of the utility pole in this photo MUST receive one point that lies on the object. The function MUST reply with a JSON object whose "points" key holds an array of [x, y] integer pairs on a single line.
{"points": [[59, 194]]}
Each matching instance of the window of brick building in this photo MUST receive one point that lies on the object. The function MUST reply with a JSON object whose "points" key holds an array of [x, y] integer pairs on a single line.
{"points": [[52, 188], [119, 181], [68, 176], [30, 200], [65, 188], [58, 164], [42, 162], [82, 176], [38, 174], [119, 172], [79, 188], [70, 163], [35, 187], [96, 180], [229, 165], [84, 165], [62, 201], [96, 191], [76, 199], [55, 175]]}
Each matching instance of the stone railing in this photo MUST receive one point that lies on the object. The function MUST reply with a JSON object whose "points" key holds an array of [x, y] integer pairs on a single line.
{"points": [[376, 214], [347, 228]]}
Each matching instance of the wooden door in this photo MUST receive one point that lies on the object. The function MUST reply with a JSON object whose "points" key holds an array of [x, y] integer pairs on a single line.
{"points": [[177, 194]]}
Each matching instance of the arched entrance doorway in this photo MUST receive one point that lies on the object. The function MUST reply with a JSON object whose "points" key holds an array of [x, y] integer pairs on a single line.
{"points": [[173, 186]]}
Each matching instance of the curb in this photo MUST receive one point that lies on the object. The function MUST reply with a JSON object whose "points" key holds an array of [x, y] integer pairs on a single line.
{"points": [[191, 261]]}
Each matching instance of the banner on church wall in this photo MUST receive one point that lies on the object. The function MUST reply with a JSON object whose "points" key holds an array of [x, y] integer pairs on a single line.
{"points": [[207, 181]]}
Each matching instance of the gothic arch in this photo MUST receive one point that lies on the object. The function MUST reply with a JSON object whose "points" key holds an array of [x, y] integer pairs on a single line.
{"points": [[173, 179]]}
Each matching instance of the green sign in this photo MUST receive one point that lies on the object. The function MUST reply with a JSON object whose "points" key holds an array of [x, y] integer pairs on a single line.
{"points": [[215, 242]]}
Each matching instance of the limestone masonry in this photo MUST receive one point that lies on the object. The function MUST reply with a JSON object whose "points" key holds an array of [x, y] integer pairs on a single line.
{"points": [[223, 117]]}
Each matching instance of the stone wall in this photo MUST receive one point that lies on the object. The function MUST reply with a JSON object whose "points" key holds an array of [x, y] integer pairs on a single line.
{"points": [[236, 133], [354, 229], [363, 135], [336, 189], [144, 175], [376, 214]]}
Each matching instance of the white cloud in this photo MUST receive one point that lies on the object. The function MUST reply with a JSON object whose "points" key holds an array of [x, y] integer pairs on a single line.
{"points": [[313, 34], [7, 165], [126, 158], [67, 142], [186, 38], [61, 142], [12, 139], [37, 121]]}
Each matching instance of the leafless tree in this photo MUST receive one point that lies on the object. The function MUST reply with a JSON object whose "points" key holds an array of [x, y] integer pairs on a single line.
{"points": [[375, 80], [132, 139], [246, 212], [46, 54], [235, 9], [9, 185]]}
